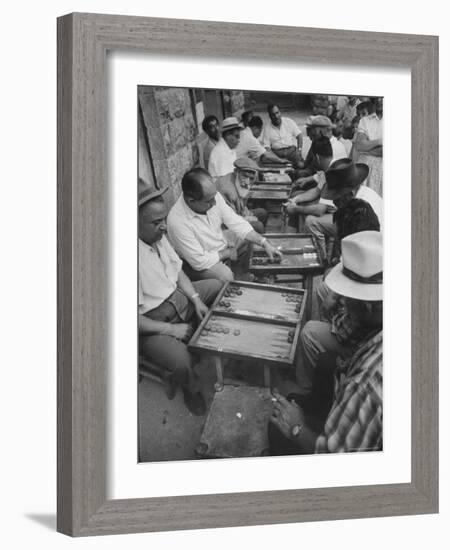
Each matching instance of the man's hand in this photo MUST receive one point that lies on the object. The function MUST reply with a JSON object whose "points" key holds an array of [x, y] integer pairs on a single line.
{"points": [[331, 209], [201, 309], [271, 250], [182, 331], [286, 415]]}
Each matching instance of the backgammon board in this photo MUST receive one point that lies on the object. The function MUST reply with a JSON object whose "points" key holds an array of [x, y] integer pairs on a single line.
{"points": [[253, 321], [300, 255]]}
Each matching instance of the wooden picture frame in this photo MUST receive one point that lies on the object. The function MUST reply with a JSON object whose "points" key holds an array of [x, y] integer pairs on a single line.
{"points": [[83, 41]]}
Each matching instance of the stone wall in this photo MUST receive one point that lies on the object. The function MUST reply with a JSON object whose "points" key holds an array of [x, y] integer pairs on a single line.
{"points": [[170, 128]]}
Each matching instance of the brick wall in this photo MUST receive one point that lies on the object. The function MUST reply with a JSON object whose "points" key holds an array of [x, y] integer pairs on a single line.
{"points": [[169, 125]]}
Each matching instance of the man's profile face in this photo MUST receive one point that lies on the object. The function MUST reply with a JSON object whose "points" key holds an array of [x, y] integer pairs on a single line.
{"points": [[275, 116], [212, 129], [232, 138], [152, 221]]}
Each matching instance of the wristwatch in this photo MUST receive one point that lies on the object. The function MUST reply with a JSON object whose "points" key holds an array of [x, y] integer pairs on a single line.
{"points": [[296, 430], [263, 241]]}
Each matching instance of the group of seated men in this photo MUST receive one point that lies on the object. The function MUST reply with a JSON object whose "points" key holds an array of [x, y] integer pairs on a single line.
{"points": [[337, 405]]}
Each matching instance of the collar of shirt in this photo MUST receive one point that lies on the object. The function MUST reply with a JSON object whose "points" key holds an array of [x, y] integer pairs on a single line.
{"points": [[190, 213]]}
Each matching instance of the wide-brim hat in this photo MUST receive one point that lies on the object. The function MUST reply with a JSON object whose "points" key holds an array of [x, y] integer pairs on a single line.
{"points": [[343, 173], [147, 193], [359, 274], [231, 123], [246, 163], [320, 121]]}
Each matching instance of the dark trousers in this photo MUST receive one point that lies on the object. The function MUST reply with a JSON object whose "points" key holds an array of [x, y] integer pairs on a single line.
{"points": [[166, 351]]}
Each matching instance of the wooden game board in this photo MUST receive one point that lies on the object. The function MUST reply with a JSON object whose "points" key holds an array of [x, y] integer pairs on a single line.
{"points": [[272, 194], [271, 187], [253, 321], [274, 178], [300, 255]]}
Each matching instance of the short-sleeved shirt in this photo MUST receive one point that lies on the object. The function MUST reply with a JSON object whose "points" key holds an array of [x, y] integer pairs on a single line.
{"points": [[159, 267], [221, 159], [198, 238], [283, 136], [208, 146], [249, 146], [371, 126]]}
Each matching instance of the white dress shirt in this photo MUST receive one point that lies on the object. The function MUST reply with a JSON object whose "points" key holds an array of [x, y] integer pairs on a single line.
{"points": [[283, 136], [338, 148], [371, 126], [159, 267], [249, 146], [198, 238], [221, 159]]}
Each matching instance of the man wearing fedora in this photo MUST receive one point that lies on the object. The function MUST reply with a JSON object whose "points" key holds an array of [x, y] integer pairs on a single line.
{"points": [[235, 188], [306, 191], [344, 181], [353, 413], [169, 304], [195, 228], [283, 137], [223, 154]]}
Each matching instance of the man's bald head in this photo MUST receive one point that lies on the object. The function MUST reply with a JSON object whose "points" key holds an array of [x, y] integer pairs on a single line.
{"points": [[199, 190]]}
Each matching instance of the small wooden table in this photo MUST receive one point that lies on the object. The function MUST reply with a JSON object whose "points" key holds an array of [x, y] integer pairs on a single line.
{"points": [[256, 322]]}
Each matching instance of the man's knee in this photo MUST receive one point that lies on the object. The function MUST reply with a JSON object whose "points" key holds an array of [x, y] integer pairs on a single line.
{"points": [[258, 227], [311, 335], [222, 272], [208, 289], [311, 222]]}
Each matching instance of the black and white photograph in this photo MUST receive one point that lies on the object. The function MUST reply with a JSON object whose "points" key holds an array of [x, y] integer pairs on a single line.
{"points": [[260, 285]]}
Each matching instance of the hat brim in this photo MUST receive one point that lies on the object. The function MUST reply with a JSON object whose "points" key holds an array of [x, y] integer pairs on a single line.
{"points": [[339, 283], [233, 127], [149, 195], [362, 173]]}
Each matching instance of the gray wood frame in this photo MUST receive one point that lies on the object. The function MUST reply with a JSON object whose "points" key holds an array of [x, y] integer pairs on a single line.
{"points": [[83, 41]]}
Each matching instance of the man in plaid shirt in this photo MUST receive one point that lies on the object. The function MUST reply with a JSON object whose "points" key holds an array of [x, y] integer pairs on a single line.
{"points": [[354, 421]]}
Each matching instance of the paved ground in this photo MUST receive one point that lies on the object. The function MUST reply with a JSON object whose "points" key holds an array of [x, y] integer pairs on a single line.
{"points": [[167, 431]]}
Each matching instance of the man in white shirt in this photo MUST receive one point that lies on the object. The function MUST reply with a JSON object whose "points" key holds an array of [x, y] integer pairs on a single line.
{"points": [[250, 147], [284, 137], [169, 304], [223, 154], [369, 146], [195, 225]]}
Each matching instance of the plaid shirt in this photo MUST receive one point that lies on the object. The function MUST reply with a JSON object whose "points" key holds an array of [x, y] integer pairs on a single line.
{"points": [[348, 331], [355, 422]]}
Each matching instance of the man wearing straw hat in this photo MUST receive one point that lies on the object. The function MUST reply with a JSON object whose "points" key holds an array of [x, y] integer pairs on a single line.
{"points": [[169, 304], [354, 420]]}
